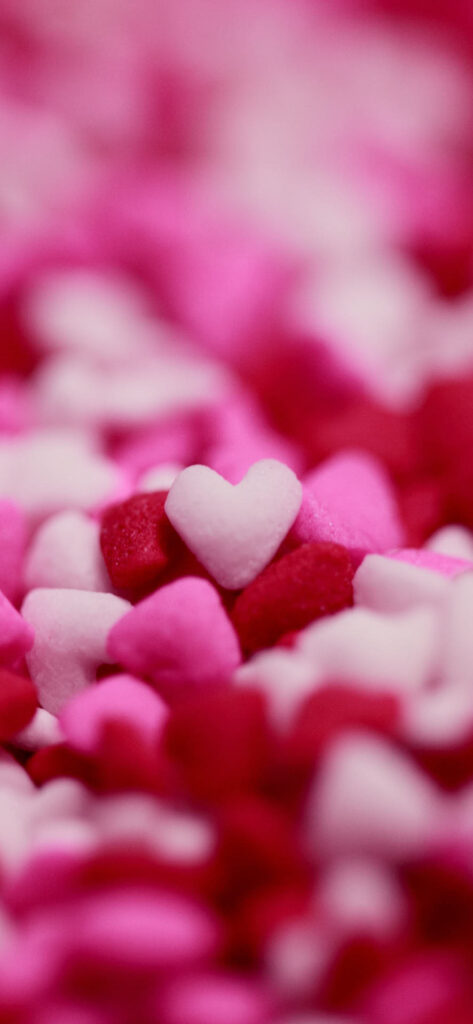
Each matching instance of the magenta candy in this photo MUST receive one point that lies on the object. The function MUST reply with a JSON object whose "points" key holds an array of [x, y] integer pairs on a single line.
{"points": [[118, 698], [180, 638], [349, 501]]}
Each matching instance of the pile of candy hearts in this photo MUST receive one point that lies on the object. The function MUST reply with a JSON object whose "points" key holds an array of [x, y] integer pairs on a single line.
{"points": [[236, 512]]}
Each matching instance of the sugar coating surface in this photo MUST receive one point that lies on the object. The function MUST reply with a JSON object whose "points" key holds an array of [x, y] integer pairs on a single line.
{"points": [[70, 639], [349, 500], [313, 581], [65, 553], [234, 530], [389, 584], [180, 637], [119, 698], [137, 540]]}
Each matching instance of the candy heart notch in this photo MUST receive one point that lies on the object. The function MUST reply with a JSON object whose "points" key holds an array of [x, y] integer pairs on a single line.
{"points": [[234, 531]]}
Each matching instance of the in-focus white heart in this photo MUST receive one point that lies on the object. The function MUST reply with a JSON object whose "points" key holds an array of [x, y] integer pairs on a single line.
{"points": [[234, 530]]}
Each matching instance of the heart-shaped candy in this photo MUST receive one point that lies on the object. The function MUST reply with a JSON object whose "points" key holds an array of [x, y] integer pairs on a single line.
{"points": [[234, 531]]}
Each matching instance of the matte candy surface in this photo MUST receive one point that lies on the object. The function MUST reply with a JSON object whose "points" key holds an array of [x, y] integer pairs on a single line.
{"points": [[349, 500], [180, 638], [382, 651], [313, 581], [137, 540], [118, 698], [389, 584], [17, 703], [70, 640], [65, 552], [234, 530]]}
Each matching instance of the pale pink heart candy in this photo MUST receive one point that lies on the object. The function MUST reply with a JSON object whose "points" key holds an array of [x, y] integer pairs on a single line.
{"points": [[16, 634], [73, 390], [65, 552], [441, 717], [389, 584], [59, 800], [179, 637], [457, 634], [100, 315], [159, 478], [371, 799], [175, 835], [143, 929], [53, 469], [285, 677], [13, 776], [71, 629], [213, 999], [234, 531], [118, 698], [349, 500], [446, 565], [360, 647], [42, 731], [357, 894], [297, 958], [12, 548], [14, 408], [454, 541]]}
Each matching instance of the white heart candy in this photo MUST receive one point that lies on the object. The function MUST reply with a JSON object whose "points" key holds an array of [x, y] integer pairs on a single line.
{"points": [[234, 531]]}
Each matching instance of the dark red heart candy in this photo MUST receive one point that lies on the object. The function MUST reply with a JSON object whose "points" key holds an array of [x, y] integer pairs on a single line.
{"points": [[137, 540], [18, 703], [312, 581]]}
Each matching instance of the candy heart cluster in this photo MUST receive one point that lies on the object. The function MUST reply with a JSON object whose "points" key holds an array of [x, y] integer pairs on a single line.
{"points": [[236, 512]]}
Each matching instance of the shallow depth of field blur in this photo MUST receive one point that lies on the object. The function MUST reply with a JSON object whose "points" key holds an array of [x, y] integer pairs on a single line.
{"points": [[232, 230], [245, 169]]}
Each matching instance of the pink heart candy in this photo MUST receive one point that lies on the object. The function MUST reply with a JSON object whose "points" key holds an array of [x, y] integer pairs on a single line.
{"points": [[234, 531], [180, 637], [349, 500], [65, 553], [446, 565], [119, 698]]}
